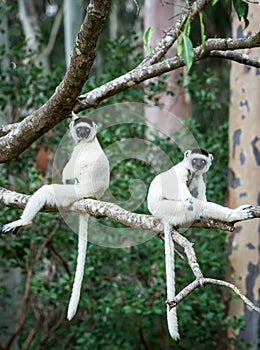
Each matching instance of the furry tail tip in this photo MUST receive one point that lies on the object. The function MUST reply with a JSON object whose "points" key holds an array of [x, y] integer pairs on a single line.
{"points": [[71, 312], [174, 335], [172, 322]]}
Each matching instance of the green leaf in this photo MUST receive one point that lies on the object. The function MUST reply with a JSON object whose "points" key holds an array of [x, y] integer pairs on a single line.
{"points": [[202, 30], [179, 48], [214, 2], [241, 9], [187, 27], [187, 51], [147, 35], [146, 38]]}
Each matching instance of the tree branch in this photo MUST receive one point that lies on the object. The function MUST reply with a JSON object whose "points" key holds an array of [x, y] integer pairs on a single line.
{"points": [[200, 280], [5, 129], [29, 20], [63, 100], [237, 57], [144, 222], [173, 33], [142, 73], [99, 209], [195, 284]]}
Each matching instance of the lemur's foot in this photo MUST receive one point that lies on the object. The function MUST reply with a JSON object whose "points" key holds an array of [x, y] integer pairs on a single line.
{"points": [[14, 226]]}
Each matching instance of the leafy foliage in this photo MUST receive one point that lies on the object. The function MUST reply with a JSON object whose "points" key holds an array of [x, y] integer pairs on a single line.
{"points": [[185, 47], [241, 8], [147, 36]]}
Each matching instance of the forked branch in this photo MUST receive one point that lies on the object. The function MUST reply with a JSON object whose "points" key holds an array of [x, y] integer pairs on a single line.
{"points": [[197, 283]]}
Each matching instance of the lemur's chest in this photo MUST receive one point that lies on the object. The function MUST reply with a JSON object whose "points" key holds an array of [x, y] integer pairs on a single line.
{"points": [[82, 161], [192, 184]]}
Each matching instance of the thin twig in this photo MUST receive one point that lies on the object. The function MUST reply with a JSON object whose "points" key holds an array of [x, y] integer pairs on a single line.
{"points": [[60, 257], [236, 57], [49, 335], [190, 253], [48, 239], [195, 284]]}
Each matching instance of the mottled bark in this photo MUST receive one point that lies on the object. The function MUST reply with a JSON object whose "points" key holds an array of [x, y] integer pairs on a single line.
{"points": [[244, 179], [160, 15]]}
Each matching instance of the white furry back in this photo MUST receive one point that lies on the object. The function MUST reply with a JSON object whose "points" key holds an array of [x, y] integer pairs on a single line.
{"points": [[170, 283], [82, 248]]}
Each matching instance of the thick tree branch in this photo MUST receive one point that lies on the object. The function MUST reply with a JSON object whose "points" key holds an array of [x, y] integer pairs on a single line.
{"points": [[63, 100], [231, 44], [5, 129], [104, 209]]}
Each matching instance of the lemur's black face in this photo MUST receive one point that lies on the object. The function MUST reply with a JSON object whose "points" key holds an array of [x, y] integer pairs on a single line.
{"points": [[198, 163], [82, 132], [83, 129], [198, 160]]}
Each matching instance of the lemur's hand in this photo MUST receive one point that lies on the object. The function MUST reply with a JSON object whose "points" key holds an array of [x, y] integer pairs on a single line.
{"points": [[188, 203]]}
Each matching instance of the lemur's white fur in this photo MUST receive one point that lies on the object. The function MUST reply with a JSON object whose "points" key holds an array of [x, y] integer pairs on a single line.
{"points": [[85, 175], [178, 196], [172, 320]]}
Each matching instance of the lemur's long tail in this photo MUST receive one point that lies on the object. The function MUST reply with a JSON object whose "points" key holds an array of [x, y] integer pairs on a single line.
{"points": [[82, 248], [170, 281]]}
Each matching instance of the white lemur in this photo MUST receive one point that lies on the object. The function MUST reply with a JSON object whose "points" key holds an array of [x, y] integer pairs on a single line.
{"points": [[178, 196], [86, 175]]}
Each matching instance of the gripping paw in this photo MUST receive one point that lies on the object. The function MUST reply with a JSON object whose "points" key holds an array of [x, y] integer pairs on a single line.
{"points": [[188, 203], [14, 226]]}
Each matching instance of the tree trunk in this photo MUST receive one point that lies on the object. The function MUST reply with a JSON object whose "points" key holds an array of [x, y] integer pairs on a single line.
{"points": [[9, 277], [244, 181], [74, 12], [160, 16]]}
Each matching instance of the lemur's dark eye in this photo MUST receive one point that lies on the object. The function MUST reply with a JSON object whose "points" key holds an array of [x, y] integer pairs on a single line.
{"points": [[203, 161]]}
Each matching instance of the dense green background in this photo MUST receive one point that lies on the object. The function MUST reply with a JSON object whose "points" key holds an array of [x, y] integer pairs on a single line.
{"points": [[122, 304]]}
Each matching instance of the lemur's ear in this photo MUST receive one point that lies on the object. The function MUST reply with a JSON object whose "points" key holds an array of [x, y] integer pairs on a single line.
{"points": [[186, 153], [74, 116]]}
